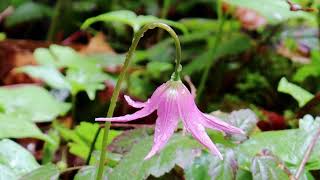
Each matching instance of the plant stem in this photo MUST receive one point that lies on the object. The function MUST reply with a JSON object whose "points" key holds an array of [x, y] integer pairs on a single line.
{"points": [[307, 154], [55, 20], [73, 108], [213, 50], [93, 144], [175, 76]]}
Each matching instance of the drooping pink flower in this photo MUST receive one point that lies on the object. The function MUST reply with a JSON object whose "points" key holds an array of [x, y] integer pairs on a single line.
{"points": [[173, 101]]}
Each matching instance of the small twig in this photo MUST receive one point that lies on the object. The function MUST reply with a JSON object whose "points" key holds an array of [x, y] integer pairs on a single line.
{"points": [[297, 7], [71, 169], [280, 163], [307, 154], [307, 107], [192, 87]]}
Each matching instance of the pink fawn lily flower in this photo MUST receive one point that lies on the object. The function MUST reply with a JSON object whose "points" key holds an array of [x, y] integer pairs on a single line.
{"points": [[173, 101]]}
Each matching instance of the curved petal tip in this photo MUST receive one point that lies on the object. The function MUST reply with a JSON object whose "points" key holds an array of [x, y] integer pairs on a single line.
{"points": [[150, 154], [218, 154], [133, 103], [101, 119]]}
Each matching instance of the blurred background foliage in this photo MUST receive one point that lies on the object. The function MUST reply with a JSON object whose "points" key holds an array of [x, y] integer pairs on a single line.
{"points": [[238, 54]]}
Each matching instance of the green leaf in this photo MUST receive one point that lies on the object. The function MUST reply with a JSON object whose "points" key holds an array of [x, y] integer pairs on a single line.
{"points": [[275, 11], [63, 56], [84, 73], [47, 172], [19, 127], [312, 69], [266, 168], [3, 36], [33, 101], [180, 150], [131, 19], [288, 145], [49, 149], [299, 94], [7, 173], [208, 167], [15, 157], [45, 57], [87, 80], [243, 175], [28, 11], [82, 136], [48, 74]]}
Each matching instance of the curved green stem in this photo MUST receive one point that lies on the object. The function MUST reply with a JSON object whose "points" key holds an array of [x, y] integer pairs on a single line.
{"points": [[175, 76]]}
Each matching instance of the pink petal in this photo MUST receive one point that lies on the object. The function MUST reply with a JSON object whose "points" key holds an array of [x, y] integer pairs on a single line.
{"points": [[133, 103], [168, 118], [199, 133], [159, 92], [129, 117], [149, 107], [215, 123], [191, 118]]}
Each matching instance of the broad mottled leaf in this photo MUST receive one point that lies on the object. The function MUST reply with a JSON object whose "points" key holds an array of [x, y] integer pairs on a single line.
{"points": [[266, 168], [46, 172], [275, 11], [18, 127], [288, 145], [48, 74], [244, 119], [180, 150], [15, 157], [208, 167], [298, 93], [7, 173], [123, 143], [131, 19], [33, 101]]}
